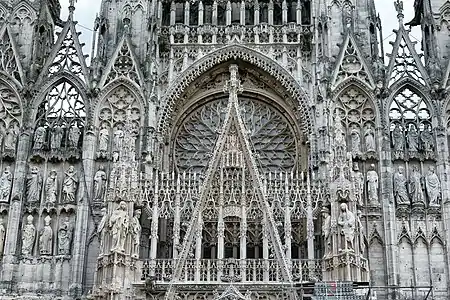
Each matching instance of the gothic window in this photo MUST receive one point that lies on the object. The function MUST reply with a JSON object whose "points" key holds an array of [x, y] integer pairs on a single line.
{"points": [[292, 11], [67, 58], [235, 13], [207, 12], [10, 110], [221, 14], [123, 66], [263, 12], [405, 65], [271, 136], [408, 109], [179, 12], [306, 12], [165, 14], [249, 14], [193, 14], [277, 14]]}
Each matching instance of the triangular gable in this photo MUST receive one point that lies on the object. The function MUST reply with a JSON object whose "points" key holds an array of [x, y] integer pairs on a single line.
{"points": [[232, 138], [231, 292], [66, 55], [351, 63], [123, 63], [404, 61], [9, 55]]}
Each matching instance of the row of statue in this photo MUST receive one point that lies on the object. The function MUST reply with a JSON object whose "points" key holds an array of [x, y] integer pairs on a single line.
{"points": [[356, 146], [372, 185], [412, 190], [118, 225], [117, 141], [45, 244], [415, 142], [34, 184], [56, 134]]}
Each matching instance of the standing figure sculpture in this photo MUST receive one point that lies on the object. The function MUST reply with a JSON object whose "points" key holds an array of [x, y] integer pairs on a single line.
{"points": [[326, 229], [56, 137], [369, 139], [74, 136], [118, 139], [39, 138], [426, 138], [415, 187], [10, 138], [28, 236], [136, 233], [398, 141], [51, 187], [101, 229], [103, 141], [70, 185], [400, 192], [433, 187], [360, 230], [5, 184], [65, 236], [347, 221], [119, 224], [34, 185], [356, 142], [46, 238], [99, 183], [372, 186], [413, 141], [358, 180]]}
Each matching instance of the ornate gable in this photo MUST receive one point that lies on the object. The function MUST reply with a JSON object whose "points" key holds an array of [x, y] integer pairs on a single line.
{"points": [[123, 63], [67, 55], [404, 61], [10, 62], [351, 63]]}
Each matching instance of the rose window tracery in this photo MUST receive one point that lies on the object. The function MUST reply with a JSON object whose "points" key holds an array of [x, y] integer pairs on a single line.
{"points": [[271, 137]]}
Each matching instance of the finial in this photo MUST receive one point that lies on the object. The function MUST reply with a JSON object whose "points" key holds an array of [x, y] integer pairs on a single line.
{"points": [[399, 8], [72, 6]]}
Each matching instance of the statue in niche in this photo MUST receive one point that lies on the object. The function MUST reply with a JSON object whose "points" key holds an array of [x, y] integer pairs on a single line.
{"points": [[51, 187], [5, 184], [426, 138], [46, 238], [28, 236], [119, 224], [74, 136], [347, 221], [415, 186], [2, 235], [56, 137], [358, 183], [398, 139], [118, 139], [10, 138], [99, 183], [136, 233], [39, 138], [70, 185], [400, 193], [326, 229], [369, 139], [372, 186], [34, 185], [103, 141], [413, 141], [360, 230], [65, 232], [101, 229], [433, 187], [356, 142]]}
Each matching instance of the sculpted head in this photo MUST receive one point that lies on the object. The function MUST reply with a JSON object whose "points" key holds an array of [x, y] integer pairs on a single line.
{"points": [[30, 219], [343, 207], [123, 205], [400, 169], [137, 213]]}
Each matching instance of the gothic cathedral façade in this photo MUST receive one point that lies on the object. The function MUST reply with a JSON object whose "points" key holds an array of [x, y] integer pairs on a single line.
{"points": [[224, 149]]}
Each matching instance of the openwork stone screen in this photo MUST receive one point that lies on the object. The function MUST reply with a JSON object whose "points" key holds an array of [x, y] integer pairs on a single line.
{"points": [[408, 109]]}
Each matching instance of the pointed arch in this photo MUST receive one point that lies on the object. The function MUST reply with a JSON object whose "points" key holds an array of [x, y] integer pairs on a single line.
{"points": [[3, 14], [11, 109], [294, 93], [10, 62], [23, 12]]}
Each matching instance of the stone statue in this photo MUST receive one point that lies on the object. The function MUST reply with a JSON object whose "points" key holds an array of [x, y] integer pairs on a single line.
{"points": [[70, 185], [360, 230], [347, 221], [400, 193], [46, 238], [358, 182], [101, 229], [28, 236], [51, 187], [398, 139], [74, 136], [356, 142], [5, 184], [103, 140], [372, 186], [2, 235], [136, 233], [99, 183], [39, 138], [426, 138], [34, 185], [369, 139], [56, 137], [10, 138], [413, 140], [433, 187], [118, 139], [415, 187], [65, 231], [119, 223], [326, 229]]}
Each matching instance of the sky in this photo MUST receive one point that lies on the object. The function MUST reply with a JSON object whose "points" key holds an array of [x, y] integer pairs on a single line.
{"points": [[85, 14]]}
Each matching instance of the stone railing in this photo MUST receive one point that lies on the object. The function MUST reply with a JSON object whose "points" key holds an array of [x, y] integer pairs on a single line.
{"points": [[231, 270], [289, 33]]}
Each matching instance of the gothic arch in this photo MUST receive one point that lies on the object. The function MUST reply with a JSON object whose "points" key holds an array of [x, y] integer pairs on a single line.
{"points": [[228, 53], [21, 10], [11, 103]]}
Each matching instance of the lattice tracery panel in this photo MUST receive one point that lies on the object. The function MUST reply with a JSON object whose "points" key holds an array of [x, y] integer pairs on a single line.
{"points": [[408, 108], [67, 58], [10, 108], [272, 139]]}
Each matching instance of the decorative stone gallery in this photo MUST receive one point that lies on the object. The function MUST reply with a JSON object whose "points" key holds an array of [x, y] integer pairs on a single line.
{"points": [[223, 150]]}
